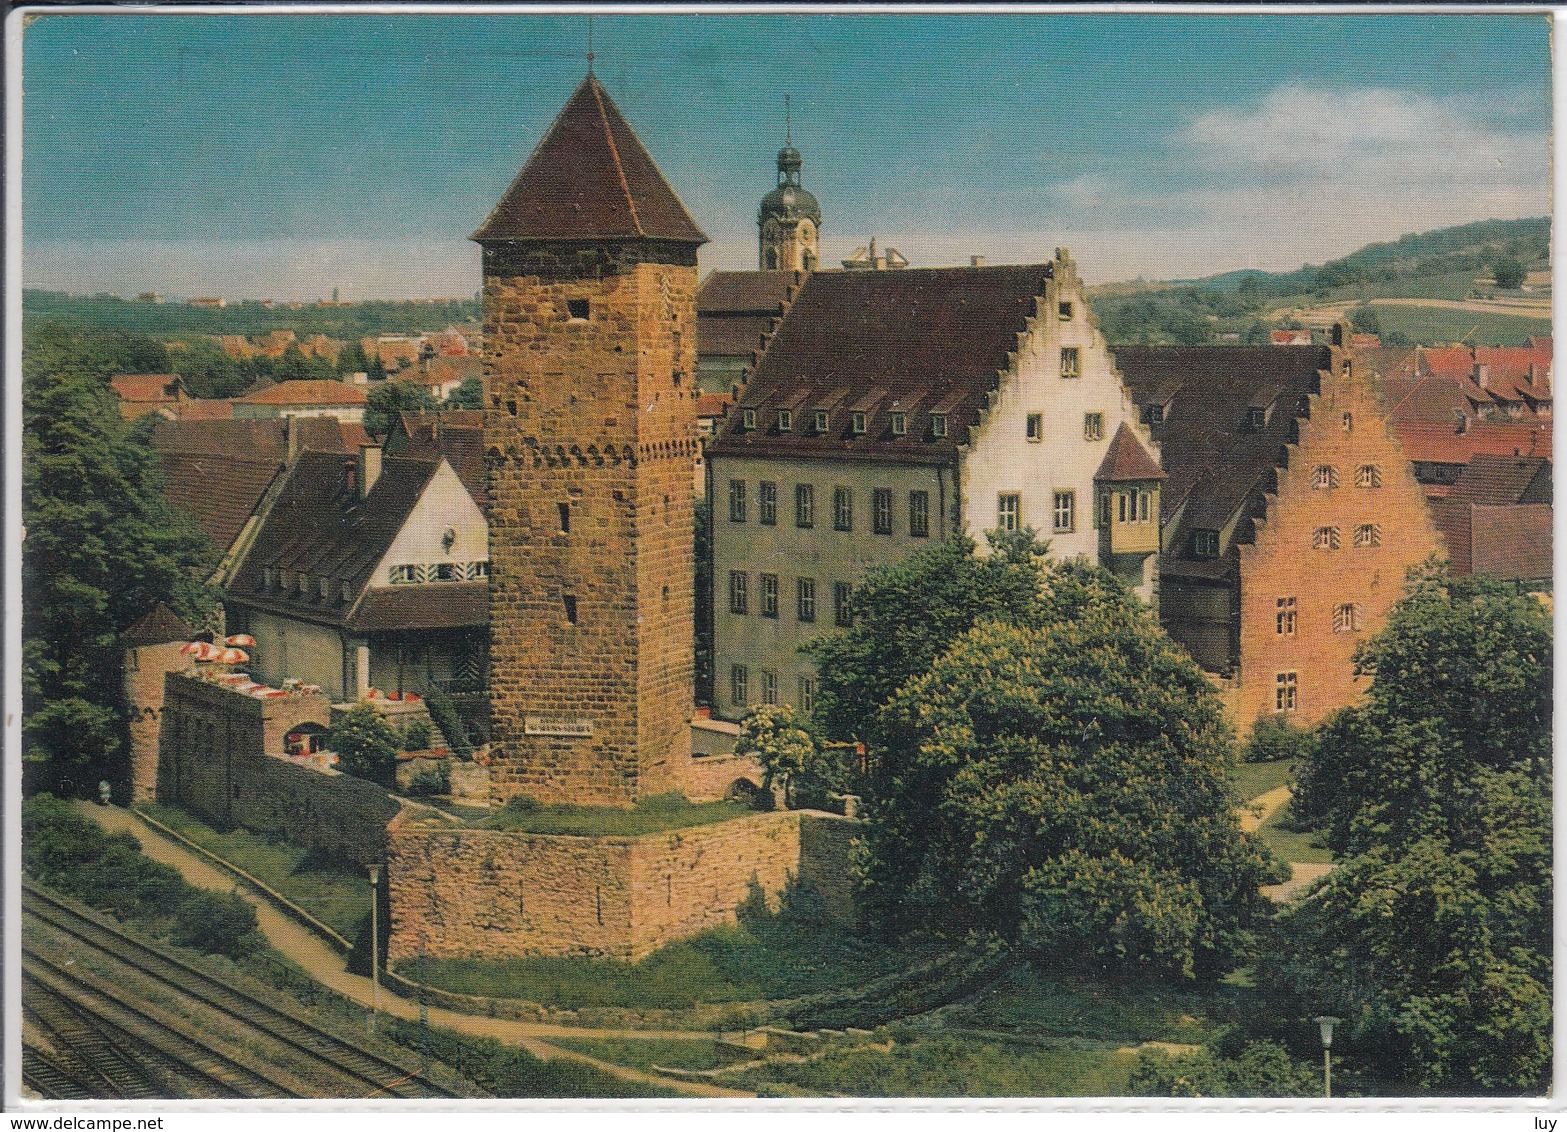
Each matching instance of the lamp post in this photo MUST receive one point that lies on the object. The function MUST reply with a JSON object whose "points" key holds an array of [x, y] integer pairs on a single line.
{"points": [[1326, 1022], [375, 942]]}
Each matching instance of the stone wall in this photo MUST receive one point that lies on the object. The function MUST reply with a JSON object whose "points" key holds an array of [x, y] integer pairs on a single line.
{"points": [[476, 893], [221, 757], [145, 668], [590, 437]]}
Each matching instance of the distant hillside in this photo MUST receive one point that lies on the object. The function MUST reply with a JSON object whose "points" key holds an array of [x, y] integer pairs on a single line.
{"points": [[1420, 287], [162, 320], [1467, 248]]}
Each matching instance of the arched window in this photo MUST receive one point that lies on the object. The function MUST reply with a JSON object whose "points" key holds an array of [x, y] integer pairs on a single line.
{"points": [[772, 259]]}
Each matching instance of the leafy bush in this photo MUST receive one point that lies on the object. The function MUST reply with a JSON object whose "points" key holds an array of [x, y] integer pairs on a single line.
{"points": [[790, 755], [431, 779], [449, 720], [418, 735], [1273, 738], [222, 925], [1261, 1069], [366, 746]]}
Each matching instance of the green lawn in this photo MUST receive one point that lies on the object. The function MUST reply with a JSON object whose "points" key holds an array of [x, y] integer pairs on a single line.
{"points": [[646, 1053], [951, 1066], [1291, 844], [1250, 780], [336, 894], [652, 815], [764, 958], [1435, 326], [1034, 1001]]}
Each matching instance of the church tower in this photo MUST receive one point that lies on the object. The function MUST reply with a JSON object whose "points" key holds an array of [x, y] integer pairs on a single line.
{"points": [[789, 220], [589, 265]]}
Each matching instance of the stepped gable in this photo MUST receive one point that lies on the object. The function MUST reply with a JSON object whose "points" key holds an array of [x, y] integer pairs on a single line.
{"points": [[1127, 459], [322, 527], [590, 179], [158, 626], [920, 340], [1214, 461]]}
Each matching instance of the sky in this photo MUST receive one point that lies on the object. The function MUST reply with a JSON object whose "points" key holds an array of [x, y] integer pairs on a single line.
{"points": [[283, 156]]}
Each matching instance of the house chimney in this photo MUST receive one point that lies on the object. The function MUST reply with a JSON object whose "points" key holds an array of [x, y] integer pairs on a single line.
{"points": [[369, 468], [976, 261], [1483, 375]]}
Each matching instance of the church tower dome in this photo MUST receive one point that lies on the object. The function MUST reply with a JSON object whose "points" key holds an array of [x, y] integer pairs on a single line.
{"points": [[790, 219]]}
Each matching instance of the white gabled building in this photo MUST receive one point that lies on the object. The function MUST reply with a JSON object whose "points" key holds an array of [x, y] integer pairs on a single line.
{"points": [[1035, 457]]}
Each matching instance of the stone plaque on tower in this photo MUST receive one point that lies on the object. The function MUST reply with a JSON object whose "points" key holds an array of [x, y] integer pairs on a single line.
{"points": [[590, 433]]}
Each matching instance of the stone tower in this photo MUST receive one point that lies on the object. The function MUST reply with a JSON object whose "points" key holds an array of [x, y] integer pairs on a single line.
{"points": [[789, 220], [589, 265]]}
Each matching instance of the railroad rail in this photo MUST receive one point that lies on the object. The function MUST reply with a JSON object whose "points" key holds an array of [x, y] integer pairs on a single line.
{"points": [[367, 1074]]}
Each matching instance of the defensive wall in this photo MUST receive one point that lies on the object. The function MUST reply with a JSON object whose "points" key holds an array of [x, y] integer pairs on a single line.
{"points": [[222, 757], [482, 893]]}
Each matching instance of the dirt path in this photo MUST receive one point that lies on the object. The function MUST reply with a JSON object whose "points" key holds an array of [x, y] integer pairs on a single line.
{"points": [[326, 966], [1262, 807]]}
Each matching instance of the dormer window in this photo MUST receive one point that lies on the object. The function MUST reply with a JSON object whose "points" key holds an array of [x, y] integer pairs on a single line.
{"points": [[1205, 544], [344, 594], [748, 420], [938, 425], [1065, 311], [785, 420], [857, 423], [324, 588], [821, 420], [1256, 418], [268, 577], [900, 424], [1153, 414]]}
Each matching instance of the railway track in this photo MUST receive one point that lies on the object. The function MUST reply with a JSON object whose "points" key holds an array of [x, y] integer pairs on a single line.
{"points": [[343, 1068]]}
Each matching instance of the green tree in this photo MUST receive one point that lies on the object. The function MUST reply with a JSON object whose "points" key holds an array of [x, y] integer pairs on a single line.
{"points": [[1364, 319], [352, 359], [366, 746], [208, 371], [907, 615], [469, 394], [1064, 784], [790, 755], [386, 400], [1508, 273], [1433, 938], [292, 366], [102, 545]]}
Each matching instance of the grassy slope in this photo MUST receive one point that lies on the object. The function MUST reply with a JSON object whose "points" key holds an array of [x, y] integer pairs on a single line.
{"points": [[335, 894], [652, 815], [767, 958], [1433, 326]]}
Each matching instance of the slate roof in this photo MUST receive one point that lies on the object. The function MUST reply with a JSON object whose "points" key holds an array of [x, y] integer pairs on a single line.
{"points": [[1497, 480], [158, 626], [436, 605], [1127, 459], [590, 179], [457, 434], [1215, 463], [1511, 542], [218, 470], [916, 341], [321, 527]]}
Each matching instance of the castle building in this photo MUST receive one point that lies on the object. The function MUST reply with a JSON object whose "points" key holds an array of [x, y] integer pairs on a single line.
{"points": [[893, 408], [790, 220], [1289, 518], [589, 264]]}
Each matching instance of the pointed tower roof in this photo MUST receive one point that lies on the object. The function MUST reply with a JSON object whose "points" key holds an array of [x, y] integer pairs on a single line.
{"points": [[1127, 459], [158, 626], [590, 179]]}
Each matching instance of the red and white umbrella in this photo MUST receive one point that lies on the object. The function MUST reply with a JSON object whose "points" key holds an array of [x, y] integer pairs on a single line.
{"points": [[201, 651], [231, 656], [241, 640]]}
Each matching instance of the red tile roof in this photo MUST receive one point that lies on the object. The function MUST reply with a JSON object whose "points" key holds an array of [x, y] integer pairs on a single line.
{"points": [[746, 292], [154, 388], [310, 392], [207, 410], [1512, 543], [590, 179], [915, 341], [713, 404], [457, 434], [436, 605], [1127, 459], [1497, 480], [1443, 444]]}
